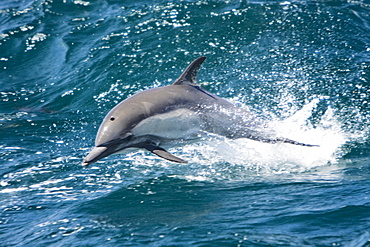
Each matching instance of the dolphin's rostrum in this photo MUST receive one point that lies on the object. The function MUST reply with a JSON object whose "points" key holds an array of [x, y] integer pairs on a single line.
{"points": [[166, 115]]}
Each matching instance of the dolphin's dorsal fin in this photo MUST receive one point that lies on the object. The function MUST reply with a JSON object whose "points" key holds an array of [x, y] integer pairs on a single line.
{"points": [[189, 76]]}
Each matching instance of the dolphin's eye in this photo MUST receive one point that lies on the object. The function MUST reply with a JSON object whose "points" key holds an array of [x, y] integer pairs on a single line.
{"points": [[112, 118]]}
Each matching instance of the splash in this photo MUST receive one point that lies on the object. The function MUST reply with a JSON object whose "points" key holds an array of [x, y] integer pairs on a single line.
{"points": [[282, 157]]}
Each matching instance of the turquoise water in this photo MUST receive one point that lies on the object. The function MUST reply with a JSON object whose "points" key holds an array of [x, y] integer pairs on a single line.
{"points": [[303, 66]]}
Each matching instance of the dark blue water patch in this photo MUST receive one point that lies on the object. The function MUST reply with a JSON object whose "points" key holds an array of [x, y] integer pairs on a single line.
{"points": [[170, 211], [159, 201]]}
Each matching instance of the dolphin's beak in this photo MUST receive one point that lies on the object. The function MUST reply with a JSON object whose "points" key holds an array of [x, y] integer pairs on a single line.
{"points": [[96, 154], [105, 149]]}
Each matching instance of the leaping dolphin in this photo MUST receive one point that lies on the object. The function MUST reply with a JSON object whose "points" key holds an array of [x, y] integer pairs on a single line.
{"points": [[174, 113]]}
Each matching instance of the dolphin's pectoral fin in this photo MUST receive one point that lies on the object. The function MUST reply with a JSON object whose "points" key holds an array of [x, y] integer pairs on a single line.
{"points": [[163, 153]]}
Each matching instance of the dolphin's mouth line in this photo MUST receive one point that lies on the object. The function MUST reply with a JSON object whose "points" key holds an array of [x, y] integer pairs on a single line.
{"points": [[115, 146]]}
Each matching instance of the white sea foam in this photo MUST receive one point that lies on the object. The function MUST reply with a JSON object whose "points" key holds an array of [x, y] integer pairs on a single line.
{"points": [[220, 157]]}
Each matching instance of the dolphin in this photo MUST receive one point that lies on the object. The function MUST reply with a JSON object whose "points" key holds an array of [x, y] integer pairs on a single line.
{"points": [[173, 114]]}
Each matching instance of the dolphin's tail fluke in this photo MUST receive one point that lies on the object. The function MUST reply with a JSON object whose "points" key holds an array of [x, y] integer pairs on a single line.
{"points": [[281, 140], [286, 140]]}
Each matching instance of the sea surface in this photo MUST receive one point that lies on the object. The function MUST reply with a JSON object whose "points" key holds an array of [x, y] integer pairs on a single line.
{"points": [[302, 66]]}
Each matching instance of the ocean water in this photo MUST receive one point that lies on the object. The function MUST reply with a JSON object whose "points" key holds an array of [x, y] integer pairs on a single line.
{"points": [[303, 66]]}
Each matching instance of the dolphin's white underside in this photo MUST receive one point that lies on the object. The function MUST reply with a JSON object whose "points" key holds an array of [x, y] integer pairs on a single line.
{"points": [[177, 124], [174, 125]]}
